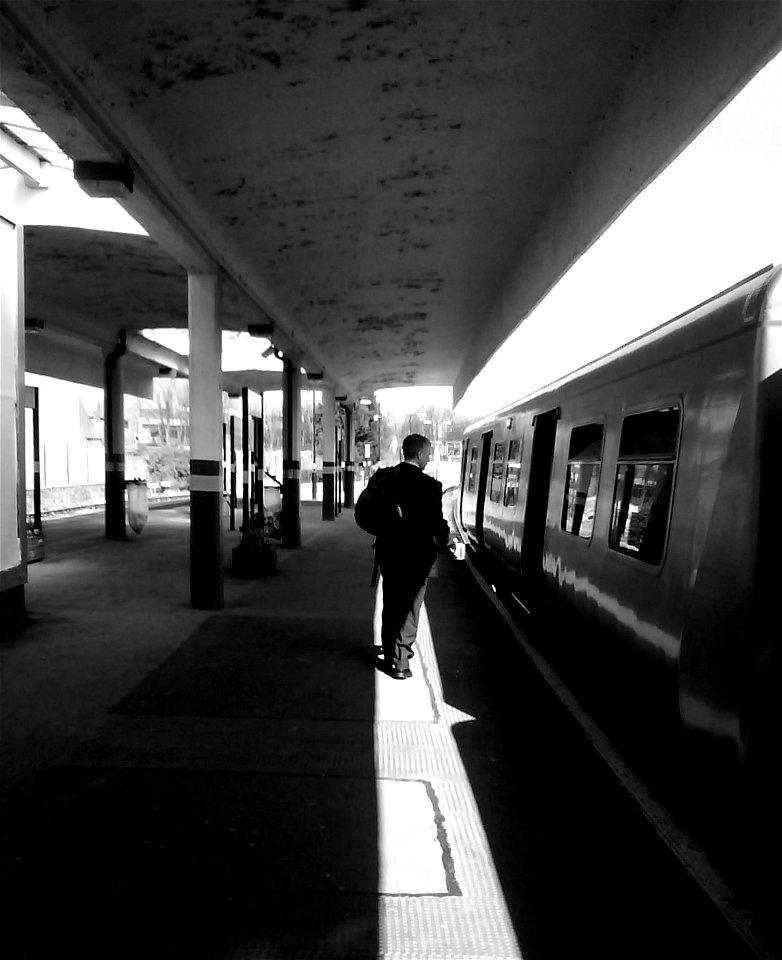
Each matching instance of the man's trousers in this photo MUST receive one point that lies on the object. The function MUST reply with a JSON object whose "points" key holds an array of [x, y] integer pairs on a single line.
{"points": [[403, 594]]}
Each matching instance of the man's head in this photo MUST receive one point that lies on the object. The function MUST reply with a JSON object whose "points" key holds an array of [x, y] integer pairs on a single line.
{"points": [[416, 450]]}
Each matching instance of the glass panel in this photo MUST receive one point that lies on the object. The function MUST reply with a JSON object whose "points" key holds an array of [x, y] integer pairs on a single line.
{"points": [[650, 435], [583, 473], [586, 443], [639, 518], [472, 478], [578, 511], [497, 472], [512, 476]]}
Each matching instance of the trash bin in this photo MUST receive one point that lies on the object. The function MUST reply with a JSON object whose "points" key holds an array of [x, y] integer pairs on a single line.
{"points": [[138, 504], [35, 550], [272, 511]]}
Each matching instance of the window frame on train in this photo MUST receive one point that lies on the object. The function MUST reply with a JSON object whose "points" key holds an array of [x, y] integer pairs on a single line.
{"points": [[513, 463], [653, 454], [575, 501], [497, 471], [471, 467]]}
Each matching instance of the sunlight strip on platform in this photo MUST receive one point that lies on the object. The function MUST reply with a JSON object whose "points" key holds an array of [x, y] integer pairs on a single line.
{"points": [[439, 894]]}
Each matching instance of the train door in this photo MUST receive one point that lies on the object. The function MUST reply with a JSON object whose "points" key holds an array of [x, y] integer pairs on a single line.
{"points": [[463, 479], [482, 484], [544, 434]]}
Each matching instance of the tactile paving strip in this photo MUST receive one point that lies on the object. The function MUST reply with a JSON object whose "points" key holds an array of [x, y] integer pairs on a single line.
{"points": [[472, 923]]}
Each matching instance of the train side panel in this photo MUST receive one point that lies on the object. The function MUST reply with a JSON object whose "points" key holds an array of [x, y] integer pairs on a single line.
{"points": [[651, 517], [649, 605]]}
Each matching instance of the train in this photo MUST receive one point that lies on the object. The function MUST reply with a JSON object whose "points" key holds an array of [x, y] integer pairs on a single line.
{"points": [[632, 510]]}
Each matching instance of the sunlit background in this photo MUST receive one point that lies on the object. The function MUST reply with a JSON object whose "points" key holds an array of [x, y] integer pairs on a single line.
{"points": [[711, 218]]}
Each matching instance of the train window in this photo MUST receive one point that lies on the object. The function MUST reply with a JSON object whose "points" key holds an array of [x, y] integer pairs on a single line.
{"points": [[512, 475], [644, 481], [497, 472], [583, 472], [472, 476]]}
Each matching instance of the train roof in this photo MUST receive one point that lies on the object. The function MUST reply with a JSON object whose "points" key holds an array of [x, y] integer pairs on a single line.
{"points": [[759, 279]]}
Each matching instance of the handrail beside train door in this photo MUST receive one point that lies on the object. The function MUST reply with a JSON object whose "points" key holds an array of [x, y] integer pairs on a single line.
{"points": [[483, 484]]}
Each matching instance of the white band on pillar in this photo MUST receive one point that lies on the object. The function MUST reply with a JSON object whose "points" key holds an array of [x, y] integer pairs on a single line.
{"points": [[203, 484]]}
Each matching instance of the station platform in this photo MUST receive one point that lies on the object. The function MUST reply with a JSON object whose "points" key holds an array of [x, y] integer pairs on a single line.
{"points": [[245, 784]]}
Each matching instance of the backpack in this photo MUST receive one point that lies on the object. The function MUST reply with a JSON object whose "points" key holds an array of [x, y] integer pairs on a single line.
{"points": [[376, 510]]}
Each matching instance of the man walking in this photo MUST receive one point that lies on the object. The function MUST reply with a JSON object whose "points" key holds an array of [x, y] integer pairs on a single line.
{"points": [[406, 551]]}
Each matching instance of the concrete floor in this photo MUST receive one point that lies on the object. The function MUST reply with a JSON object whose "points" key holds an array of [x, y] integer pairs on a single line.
{"points": [[244, 784]]}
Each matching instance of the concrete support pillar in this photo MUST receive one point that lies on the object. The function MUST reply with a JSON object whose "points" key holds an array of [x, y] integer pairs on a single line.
{"points": [[232, 496], [350, 455], [114, 438], [291, 450], [245, 462], [340, 462], [13, 505], [329, 452], [206, 420]]}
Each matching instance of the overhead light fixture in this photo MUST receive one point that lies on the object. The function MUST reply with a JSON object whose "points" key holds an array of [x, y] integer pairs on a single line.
{"points": [[33, 325], [105, 180], [315, 375], [365, 402]]}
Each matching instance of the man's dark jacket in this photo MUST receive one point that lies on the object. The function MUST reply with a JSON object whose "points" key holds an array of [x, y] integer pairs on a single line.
{"points": [[412, 542]]}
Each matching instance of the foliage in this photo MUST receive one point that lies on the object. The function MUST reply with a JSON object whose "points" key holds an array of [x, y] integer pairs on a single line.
{"points": [[167, 462]]}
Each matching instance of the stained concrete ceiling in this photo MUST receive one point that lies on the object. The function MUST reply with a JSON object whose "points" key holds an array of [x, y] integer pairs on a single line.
{"points": [[392, 184]]}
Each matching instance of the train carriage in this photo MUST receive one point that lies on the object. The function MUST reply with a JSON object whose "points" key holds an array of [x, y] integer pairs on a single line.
{"points": [[635, 501]]}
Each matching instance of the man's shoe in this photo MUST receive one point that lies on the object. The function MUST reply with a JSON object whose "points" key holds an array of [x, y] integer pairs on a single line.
{"points": [[400, 674]]}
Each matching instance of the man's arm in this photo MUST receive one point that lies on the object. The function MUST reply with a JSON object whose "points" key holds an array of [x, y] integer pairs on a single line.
{"points": [[442, 529]]}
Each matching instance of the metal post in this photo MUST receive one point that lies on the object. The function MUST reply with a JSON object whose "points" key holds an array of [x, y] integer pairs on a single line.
{"points": [[350, 456], [291, 443], [225, 459], [114, 421], [259, 464], [245, 463], [338, 447], [232, 517], [329, 455], [313, 472], [252, 465], [36, 464]]}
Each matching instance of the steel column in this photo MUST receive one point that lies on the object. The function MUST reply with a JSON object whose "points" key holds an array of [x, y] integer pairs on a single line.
{"points": [[232, 495], [350, 455], [114, 434], [329, 455], [245, 461]]}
